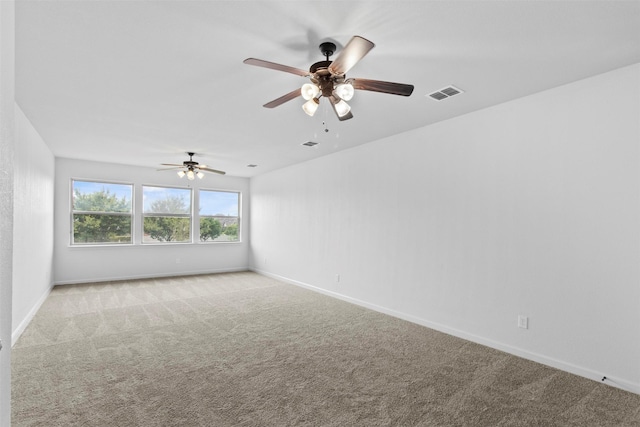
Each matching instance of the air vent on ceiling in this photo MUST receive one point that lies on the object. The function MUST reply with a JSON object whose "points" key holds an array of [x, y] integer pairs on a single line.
{"points": [[310, 143], [446, 92]]}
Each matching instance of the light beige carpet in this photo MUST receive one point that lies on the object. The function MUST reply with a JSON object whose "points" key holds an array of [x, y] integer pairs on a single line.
{"points": [[241, 349]]}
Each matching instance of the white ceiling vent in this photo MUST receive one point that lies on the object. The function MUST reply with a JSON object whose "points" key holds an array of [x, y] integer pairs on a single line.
{"points": [[445, 92], [310, 143]]}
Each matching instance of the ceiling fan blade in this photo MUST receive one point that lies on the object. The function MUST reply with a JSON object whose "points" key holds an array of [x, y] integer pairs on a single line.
{"points": [[170, 164], [353, 52], [202, 168], [380, 86], [168, 169], [333, 100], [284, 98], [274, 66]]}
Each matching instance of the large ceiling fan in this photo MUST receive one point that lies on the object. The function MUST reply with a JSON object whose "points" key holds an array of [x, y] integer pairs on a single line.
{"points": [[190, 168], [328, 79]]}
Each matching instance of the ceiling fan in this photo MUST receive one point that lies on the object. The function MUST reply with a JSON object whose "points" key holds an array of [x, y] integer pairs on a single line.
{"points": [[328, 79], [190, 168]]}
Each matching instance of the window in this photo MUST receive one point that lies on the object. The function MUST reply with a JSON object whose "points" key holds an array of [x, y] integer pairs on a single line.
{"points": [[219, 216], [101, 213], [166, 215]]}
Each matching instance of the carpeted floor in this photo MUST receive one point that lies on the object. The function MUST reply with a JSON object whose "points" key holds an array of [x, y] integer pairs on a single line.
{"points": [[240, 349]]}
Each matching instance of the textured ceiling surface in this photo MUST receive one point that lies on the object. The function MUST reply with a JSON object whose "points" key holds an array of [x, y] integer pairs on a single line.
{"points": [[142, 82]]}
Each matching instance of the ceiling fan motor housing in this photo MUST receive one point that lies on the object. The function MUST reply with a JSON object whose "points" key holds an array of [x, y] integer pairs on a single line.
{"points": [[328, 76], [190, 164], [327, 49]]}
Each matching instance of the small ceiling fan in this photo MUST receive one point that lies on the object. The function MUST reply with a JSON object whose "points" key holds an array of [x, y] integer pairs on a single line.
{"points": [[328, 79], [190, 168]]}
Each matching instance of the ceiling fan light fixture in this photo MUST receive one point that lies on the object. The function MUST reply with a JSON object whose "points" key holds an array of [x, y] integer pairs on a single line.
{"points": [[328, 79], [344, 91], [190, 168], [311, 106], [309, 91], [342, 108]]}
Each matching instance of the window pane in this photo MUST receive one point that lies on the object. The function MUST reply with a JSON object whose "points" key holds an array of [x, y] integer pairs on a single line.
{"points": [[166, 200], [101, 197], [219, 216], [158, 229], [218, 229], [101, 213], [219, 203], [99, 228]]}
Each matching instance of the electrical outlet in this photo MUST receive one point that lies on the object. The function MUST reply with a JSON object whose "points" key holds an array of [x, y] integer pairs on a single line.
{"points": [[523, 322]]}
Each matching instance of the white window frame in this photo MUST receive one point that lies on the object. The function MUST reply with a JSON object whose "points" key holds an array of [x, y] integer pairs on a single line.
{"points": [[189, 215], [73, 212], [223, 217]]}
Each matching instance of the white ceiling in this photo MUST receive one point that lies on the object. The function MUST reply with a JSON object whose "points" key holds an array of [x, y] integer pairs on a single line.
{"points": [[142, 82]]}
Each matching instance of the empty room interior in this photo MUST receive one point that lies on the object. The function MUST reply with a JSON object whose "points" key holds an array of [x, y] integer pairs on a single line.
{"points": [[320, 213]]}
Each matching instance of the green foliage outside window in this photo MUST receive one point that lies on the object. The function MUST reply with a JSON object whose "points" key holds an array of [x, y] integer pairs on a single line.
{"points": [[210, 229], [102, 213], [167, 229], [100, 216], [218, 229], [231, 231], [219, 216], [167, 218]]}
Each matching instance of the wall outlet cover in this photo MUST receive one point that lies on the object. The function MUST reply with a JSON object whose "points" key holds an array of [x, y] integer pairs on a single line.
{"points": [[523, 322]]}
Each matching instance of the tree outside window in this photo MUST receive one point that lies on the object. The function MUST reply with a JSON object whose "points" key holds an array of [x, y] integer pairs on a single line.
{"points": [[166, 215], [101, 213], [219, 216]]}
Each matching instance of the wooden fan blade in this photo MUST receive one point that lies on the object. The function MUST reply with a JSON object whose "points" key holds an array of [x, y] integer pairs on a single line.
{"points": [[274, 66], [170, 164], [284, 98], [383, 87], [353, 52], [333, 100], [202, 168], [168, 169]]}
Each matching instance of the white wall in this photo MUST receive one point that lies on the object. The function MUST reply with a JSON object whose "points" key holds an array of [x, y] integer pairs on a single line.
{"points": [[100, 263], [32, 223], [7, 149], [526, 208]]}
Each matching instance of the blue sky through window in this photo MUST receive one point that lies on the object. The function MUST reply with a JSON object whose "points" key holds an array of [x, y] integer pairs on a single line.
{"points": [[152, 194], [226, 203], [218, 203], [88, 187]]}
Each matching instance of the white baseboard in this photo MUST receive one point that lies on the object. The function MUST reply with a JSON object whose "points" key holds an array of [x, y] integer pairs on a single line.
{"points": [[148, 276], [525, 354], [25, 322]]}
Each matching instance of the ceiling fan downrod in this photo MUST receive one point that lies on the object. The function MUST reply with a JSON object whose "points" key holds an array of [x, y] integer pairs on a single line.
{"points": [[327, 49]]}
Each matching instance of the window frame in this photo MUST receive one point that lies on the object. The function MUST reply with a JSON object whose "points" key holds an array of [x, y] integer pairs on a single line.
{"points": [[189, 215], [136, 214], [73, 212], [237, 218]]}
